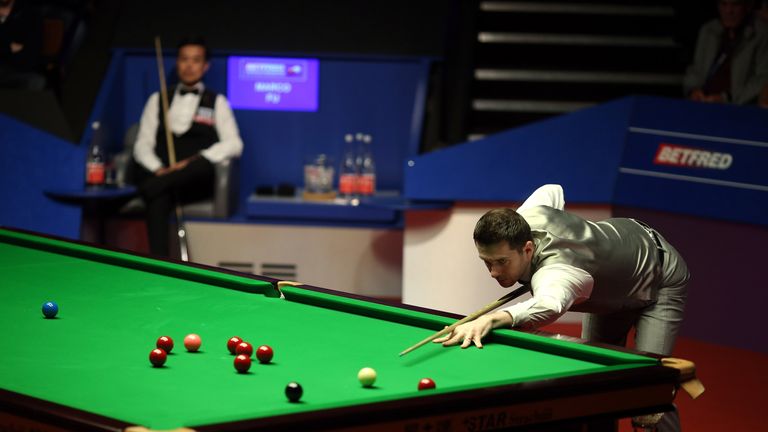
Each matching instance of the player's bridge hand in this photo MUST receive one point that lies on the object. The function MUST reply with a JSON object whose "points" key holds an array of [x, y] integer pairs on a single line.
{"points": [[467, 334]]}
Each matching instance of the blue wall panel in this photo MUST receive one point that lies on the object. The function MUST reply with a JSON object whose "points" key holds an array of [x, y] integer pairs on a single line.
{"points": [[31, 162], [581, 151], [676, 115]]}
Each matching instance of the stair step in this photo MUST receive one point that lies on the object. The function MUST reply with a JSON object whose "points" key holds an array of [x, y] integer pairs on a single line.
{"points": [[613, 58], [571, 39], [567, 91], [530, 105], [578, 76], [577, 24], [572, 7]]}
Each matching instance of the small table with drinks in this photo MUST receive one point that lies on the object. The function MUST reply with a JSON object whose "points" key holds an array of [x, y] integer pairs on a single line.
{"points": [[97, 203]]}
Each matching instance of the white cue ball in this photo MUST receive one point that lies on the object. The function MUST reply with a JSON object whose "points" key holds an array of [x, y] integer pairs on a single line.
{"points": [[367, 376]]}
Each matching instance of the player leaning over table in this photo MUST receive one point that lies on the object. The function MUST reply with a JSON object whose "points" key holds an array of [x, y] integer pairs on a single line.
{"points": [[204, 133], [619, 271]]}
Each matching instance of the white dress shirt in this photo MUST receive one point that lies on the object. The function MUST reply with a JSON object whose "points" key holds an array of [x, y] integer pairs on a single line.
{"points": [[555, 287], [180, 115]]}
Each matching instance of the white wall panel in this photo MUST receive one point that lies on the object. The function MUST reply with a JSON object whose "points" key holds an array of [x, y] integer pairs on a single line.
{"points": [[356, 260]]}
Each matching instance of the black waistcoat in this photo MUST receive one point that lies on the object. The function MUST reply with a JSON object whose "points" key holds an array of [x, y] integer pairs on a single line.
{"points": [[201, 135]]}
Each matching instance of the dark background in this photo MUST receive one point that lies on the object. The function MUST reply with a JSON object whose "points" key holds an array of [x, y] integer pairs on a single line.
{"points": [[439, 29]]}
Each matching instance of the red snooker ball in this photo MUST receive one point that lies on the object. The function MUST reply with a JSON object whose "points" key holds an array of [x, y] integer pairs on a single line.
{"points": [[244, 348], [192, 342], [165, 343], [232, 343], [242, 363], [157, 357], [264, 354], [426, 384]]}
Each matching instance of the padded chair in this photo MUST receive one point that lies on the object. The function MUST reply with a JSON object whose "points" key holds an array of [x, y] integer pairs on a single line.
{"points": [[225, 191]]}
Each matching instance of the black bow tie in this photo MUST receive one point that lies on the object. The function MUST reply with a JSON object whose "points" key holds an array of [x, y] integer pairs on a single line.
{"points": [[184, 91]]}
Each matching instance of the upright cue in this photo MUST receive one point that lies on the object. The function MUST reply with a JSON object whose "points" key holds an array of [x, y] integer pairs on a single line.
{"points": [[182, 232], [509, 297]]}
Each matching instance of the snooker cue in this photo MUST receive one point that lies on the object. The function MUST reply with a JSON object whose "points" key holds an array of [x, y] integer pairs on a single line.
{"points": [[181, 232], [509, 297]]}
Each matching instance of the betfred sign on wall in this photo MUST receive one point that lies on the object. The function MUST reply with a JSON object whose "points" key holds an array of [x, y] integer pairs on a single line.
{"points": [[684, 156], [695, 173]]}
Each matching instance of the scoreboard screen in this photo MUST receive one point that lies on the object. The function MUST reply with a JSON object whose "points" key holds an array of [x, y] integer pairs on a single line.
{"points": [[272, 83]]}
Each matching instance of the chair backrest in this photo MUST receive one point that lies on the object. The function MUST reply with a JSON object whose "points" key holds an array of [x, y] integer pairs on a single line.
{"points": [[129, 139], [224, 201], [124, 159]]}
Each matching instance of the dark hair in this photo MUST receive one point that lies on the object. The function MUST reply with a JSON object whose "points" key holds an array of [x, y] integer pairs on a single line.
{"points": [[193, 40], [500, 225]]}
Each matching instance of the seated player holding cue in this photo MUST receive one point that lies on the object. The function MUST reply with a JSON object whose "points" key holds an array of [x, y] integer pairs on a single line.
{"points": [[619, 271], [204, 133]]}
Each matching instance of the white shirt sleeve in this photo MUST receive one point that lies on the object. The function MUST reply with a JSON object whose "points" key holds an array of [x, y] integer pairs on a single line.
{"points": [[556, 288], [550, 195], [230, 145], [144, 148]]}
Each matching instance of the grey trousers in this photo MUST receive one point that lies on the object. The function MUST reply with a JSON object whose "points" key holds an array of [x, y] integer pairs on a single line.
{"points": [[656, 326]]}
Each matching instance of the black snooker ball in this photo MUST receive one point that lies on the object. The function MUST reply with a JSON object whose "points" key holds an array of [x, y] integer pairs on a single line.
{"points": [[293, 391]]}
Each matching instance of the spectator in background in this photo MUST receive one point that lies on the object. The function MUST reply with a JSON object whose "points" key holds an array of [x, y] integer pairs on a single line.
{"points": [[730, 63], [21, 37], [204, 133]]}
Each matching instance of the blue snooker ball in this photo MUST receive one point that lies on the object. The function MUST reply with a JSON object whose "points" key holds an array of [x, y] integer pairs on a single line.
{"points": [[50, 309]]}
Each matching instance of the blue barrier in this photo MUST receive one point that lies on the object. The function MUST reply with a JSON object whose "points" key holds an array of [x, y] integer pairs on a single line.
{"points": [[31, 162], [655, 153]]}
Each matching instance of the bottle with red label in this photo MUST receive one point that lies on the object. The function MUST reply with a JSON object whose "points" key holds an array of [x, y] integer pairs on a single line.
{"points": [[95, 164], [367, 180], [348, 171]]}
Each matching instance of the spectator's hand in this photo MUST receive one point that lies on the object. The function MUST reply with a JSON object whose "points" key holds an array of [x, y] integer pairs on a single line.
{"points": [[163, 171], [468, 333], [16, 47], [714, 98], [697, 95], [182, 164]]}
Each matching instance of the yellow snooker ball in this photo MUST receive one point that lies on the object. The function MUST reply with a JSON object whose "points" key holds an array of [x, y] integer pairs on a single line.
{"points": [[366, 376]]}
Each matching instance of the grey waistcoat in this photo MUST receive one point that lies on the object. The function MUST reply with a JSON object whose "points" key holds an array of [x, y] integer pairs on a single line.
{"points": [[618, 253]]}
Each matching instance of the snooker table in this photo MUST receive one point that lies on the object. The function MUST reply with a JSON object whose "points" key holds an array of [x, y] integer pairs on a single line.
{"points": [[88, 368]]}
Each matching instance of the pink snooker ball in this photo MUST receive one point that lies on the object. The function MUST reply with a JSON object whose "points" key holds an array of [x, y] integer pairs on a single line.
{"points": [[192, 342]]}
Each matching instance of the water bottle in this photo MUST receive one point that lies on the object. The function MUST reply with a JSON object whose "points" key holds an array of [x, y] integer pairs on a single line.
{"points": [[95, 163], [367, 179], [348, 171]]}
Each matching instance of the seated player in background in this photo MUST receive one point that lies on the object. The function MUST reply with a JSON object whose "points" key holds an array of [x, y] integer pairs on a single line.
{"points": [[204, 133], [730, 63], [619, 271]]}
